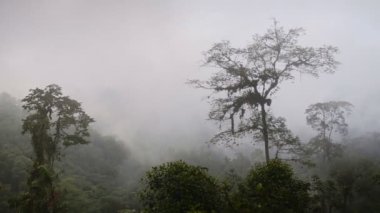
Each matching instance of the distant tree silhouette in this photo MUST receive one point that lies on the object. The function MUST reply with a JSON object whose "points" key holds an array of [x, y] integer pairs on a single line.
{"points": [[327, 118], [246, 78]]}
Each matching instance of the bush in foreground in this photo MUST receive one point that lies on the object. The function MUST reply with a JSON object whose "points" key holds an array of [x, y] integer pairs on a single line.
{"points": [[272, 188], [180, 188]]}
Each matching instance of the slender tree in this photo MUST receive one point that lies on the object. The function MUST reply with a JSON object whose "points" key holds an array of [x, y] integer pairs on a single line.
{"points": [[53, 121], [246, 78], [327, 118]]}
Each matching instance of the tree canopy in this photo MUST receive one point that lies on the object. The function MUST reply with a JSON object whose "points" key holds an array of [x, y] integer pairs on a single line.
{"points": [[246, 78], [327, 118], [273, 188], [177, 187], [53, 120]]}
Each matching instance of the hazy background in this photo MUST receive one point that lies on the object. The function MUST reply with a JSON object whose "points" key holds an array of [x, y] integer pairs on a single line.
{"points": [[128, 61]]}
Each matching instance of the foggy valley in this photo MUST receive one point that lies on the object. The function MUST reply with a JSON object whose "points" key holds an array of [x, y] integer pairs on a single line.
{"points": [[189, 106]]}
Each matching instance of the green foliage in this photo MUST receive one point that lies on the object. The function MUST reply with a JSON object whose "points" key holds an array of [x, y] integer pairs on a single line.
{"points": [[93, 178], [52, 120], [41, 196], [103, 176], [325, 196], [350, 182], [350, 186], [14, 150], [272, 188], [180, 188], [97, 177]]}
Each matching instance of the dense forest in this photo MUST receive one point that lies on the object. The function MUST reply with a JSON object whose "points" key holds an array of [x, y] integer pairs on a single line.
{"points": [[103, 177], [102, 110]]}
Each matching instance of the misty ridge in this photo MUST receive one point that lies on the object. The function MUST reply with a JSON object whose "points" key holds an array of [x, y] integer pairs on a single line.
{"points": [[142, 106]]}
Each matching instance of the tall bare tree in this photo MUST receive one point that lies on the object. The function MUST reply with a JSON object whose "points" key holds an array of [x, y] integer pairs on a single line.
{"points": [[246, 78]]}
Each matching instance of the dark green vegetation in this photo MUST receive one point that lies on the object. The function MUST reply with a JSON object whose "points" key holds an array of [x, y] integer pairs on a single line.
{"points": [[51, 161], [103, 176], [273, 188], [52, 121], [91, 177], [179, 187]]}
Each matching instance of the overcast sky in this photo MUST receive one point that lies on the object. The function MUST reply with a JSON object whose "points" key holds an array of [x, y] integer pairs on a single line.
{"points": [[128, 61]]}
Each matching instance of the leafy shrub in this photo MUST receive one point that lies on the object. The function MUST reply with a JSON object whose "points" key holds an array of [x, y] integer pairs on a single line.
{"points": [[180, 188], [272, 188]]}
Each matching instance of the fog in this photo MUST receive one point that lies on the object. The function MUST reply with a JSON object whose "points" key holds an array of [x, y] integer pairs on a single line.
{"points": [[128, 61]]}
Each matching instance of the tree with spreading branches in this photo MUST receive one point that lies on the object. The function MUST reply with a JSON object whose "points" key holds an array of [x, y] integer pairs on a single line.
{"points": [[246, 79], [327, 118]]}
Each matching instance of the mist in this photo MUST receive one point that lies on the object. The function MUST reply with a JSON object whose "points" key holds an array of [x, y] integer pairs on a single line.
{"points": [[128, 61]]}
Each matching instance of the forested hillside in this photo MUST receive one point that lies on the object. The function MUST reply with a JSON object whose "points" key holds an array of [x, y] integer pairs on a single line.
{"points": [[102, 176], [208, 106], [93, 177]]}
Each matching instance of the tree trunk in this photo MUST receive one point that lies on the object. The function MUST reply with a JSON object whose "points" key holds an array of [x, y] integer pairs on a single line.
{"points": [[265, 131]]}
